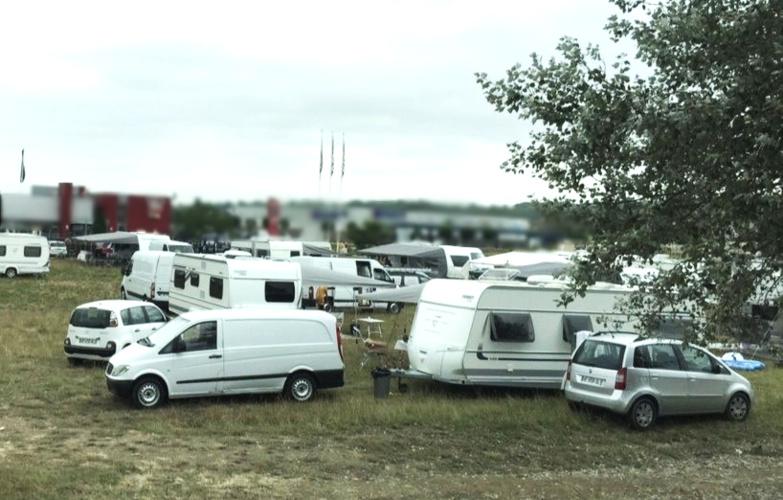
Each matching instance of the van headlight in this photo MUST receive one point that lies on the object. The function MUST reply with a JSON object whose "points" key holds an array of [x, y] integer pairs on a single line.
{"points": [[119, 370]]}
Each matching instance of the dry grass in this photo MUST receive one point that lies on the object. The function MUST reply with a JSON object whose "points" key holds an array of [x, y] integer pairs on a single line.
{"points": [[63, 435]]}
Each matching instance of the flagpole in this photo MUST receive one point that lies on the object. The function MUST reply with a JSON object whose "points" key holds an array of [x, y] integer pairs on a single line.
{"points": [[340, 196], [321, 164]]}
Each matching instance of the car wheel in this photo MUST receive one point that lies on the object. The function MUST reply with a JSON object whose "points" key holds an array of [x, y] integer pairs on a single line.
{"points": [[10, 272], [149, 392], [643, 414], [738, 407], [394, 308], [300, 387]]}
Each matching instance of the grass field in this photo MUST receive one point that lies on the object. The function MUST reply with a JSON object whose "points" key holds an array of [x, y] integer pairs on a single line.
{"points": [[62, 435]]}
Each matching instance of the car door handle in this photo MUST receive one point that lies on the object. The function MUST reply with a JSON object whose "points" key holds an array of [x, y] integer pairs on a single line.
{"points": [[216, 356], [137, 330]]}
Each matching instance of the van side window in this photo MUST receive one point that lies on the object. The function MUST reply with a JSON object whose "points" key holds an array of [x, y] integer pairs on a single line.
{"points": [[363, 269], [662, 357], [459, 260], [200, 337], [194, 279], [2, 250], [511, 327], [216, 288], [279, 291], [295, 253], [573, 323], [262, 253], [381, 275], [179, 278], [32, 251]]}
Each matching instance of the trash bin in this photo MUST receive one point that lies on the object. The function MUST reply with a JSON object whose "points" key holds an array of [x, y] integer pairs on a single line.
{"points": [[381, 383]]}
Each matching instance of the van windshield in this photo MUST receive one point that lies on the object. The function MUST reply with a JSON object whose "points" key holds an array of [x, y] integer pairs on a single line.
{"points": [[600, 354], [165, 332]]}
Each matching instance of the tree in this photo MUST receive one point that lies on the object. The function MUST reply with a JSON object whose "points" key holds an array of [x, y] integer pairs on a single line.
{"points": [[370, 234], [690, 155], [467, 235], [196, 220], [446, 232]]}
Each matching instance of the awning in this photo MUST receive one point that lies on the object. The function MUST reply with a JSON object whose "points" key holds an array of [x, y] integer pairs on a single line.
{"points": [[412, 255], [115, 237], [318, 276], [406, 294]]}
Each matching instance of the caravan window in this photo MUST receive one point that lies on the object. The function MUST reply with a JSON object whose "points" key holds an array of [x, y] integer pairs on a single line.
{"points": [[363, 268], [295, 253], [32, 251], [216, 288], [194, 279], [262, 253], [459, 260], [673, 328], [179, 278], [279, 291], [511, 327], [2, 250], [573, 323]]}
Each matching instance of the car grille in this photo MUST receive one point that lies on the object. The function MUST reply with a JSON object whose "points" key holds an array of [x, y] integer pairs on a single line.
{"points": [[109, 369]]}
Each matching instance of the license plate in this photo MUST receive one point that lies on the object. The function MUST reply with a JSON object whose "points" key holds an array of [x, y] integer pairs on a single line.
{"points": [[592, 380], [87, 340]]}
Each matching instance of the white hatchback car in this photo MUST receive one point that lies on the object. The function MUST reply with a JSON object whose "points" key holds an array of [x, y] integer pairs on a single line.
{"points": [[97, 330]]}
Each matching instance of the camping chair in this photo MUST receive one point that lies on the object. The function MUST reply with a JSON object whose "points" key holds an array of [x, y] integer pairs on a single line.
{"points": [[374, 351]]}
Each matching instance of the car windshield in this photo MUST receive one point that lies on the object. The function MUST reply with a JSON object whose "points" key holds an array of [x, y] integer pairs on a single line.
{"points": [[600, 354], [164, 332]]}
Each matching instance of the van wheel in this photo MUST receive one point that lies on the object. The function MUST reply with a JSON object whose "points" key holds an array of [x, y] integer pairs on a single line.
{"points": [[10, 272], [149, 392], [738, 407], [642, 414], [394, 308], [299, 387]]}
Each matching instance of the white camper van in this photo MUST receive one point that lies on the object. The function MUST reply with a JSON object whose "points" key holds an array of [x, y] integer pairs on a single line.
{"points": [[147, 277], [206, 353], [22, 253], [458, 258], [216, 282], [282, 249], [345, 295], [505, 333]]}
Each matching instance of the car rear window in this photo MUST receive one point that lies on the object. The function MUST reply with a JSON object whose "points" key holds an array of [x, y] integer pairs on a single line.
{"points": [[90, 317], [600, 354]]}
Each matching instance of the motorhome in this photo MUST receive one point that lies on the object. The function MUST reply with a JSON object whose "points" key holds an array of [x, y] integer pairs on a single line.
{"points": [[207, 353], [147, 277], [22, 253], [283, 249], [457, 258], [507, 333], [351, 277], [216, 282]]}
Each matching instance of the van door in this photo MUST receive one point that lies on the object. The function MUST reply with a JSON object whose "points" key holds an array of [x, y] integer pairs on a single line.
{"points": [[257, 354], [194, 360]]}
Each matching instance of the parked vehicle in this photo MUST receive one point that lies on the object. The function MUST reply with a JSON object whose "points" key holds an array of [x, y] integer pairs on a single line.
{"points": [[646, 378], [170, 246], [22, 253], [216, 282], [147, 277], [283, 249], [458, 258], [407, 276], [345, 290], [206, 353], [57, 248], [506, 333], [97, 330]]}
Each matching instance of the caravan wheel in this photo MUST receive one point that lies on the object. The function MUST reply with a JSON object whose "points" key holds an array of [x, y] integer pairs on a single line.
{"points": [[10, 272], [394, 308]]}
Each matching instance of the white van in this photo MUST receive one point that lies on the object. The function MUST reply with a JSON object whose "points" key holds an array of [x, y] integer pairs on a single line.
{"points": [[458, 258], [282, 249], [345, 295], [507, 333], [22, 253], [147, 277], [171, 246], [239, 351], [216, 282]]}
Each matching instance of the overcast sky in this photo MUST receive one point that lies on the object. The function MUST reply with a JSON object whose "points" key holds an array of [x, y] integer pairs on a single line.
{"points": [[226, 100]]}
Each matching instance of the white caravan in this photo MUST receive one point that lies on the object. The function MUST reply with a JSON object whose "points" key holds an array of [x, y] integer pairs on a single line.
{"points": [[206, 353], [22, 253], [506, 333], [361, 269], [282, 249], [147, 277], [216, 282], [458, 258]]}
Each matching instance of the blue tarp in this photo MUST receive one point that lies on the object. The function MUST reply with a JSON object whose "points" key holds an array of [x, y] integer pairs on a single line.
{"points": [[748, 365]]}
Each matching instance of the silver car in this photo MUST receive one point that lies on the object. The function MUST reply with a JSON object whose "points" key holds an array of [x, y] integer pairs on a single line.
{"points": [[645, 378]]}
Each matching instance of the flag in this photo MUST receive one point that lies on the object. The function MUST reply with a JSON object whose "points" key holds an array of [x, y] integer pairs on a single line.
{"points": [[342, 173], [321, 164], [331, 171], [21, 174]]}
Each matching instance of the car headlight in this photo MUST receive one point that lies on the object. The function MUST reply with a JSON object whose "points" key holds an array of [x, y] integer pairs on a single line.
{"points": [[119, 370]]}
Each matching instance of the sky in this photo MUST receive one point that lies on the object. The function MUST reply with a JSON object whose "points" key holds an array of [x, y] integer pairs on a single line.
{"points": [[228, 101]]}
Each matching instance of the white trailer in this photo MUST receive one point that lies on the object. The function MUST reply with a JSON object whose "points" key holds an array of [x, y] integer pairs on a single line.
{"points": [[506, 333], [459, 258], [22, 253], [215, 282], [282, 249]]}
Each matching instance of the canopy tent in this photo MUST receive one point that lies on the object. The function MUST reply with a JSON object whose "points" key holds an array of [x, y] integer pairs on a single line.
{"points": [[412, 255], [115, 237], [406, 294], [318, 276]]}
